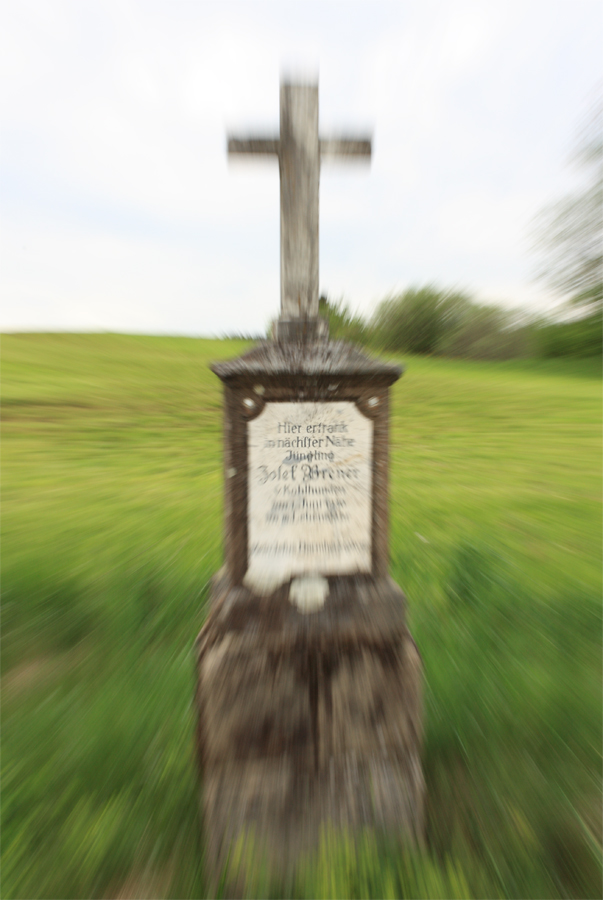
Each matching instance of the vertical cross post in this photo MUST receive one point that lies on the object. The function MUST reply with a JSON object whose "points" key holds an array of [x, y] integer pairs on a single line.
{"points": [[299, 164], [299, 151]]}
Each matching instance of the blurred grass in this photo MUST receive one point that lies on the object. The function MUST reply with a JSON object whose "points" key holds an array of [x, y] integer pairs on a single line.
{"points": [[112, 530]]}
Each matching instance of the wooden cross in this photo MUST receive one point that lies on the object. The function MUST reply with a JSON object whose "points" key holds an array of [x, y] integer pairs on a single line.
{"points": [[300, 151]]}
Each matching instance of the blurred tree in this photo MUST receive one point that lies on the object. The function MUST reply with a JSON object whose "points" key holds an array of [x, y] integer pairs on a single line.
{"points": [[418, 319], [343, 325], [569, 233], [485, 332], [430, 320]]}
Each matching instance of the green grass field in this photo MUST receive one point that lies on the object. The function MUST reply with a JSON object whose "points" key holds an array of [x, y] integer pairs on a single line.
{"points": [[112, 529]]}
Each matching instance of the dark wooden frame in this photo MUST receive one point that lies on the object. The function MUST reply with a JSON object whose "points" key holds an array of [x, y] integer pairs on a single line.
{"points": [[330, 388]]}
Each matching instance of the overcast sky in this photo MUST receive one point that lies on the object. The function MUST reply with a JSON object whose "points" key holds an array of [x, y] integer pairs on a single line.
{"points": [[121, 212]]}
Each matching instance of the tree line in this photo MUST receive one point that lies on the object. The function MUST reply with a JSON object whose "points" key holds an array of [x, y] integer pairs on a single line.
{"points": [[435, 321]]}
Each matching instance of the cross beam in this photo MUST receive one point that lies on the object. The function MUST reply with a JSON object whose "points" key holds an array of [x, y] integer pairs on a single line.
{"points": [[300, 150]]}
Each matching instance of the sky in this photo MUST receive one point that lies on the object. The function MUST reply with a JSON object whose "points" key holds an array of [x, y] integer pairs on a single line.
{"points": [[121, 212]]}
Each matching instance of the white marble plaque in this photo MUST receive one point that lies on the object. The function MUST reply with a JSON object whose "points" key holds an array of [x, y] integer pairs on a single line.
{"points": [[309, 492]]}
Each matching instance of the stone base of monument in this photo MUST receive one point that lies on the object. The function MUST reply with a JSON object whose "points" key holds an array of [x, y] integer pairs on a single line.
{"points": [[308, 721], [309, 683]]}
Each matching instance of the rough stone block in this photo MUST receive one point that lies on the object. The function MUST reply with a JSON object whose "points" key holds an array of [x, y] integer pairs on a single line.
{"points": [[307, 723]]}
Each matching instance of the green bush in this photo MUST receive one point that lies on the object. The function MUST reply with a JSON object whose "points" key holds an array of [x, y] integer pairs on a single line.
{"points": [[343, 325], [580, 338], [429, 320], [484, 332], [416, 320]]}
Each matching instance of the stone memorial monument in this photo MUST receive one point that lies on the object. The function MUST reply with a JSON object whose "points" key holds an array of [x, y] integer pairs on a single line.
{"points": [[309, 683]]}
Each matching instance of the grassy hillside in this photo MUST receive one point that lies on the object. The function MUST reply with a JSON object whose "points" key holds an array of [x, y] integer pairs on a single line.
{"points": [[112, 529]]}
